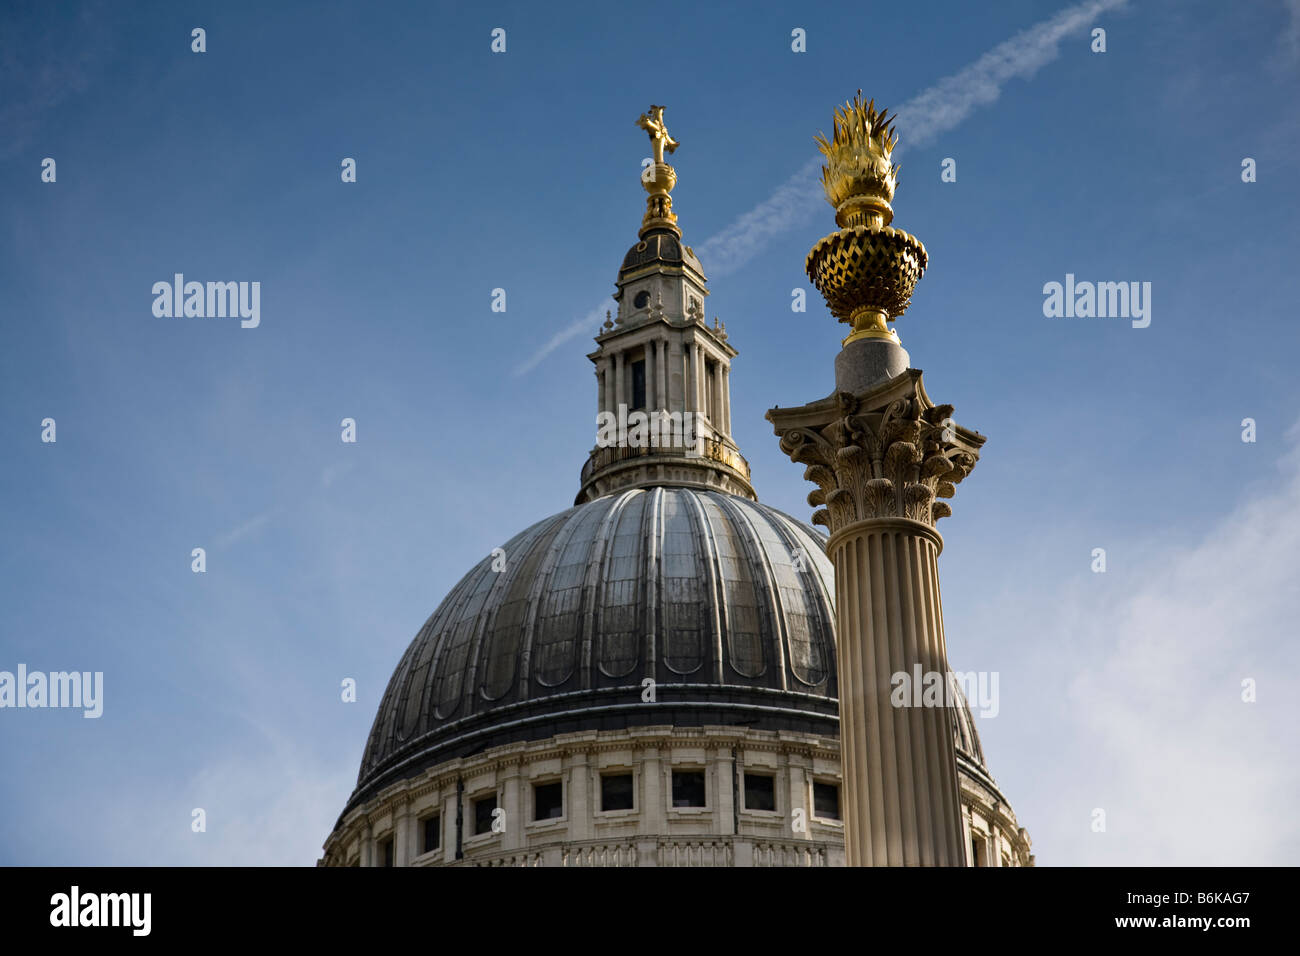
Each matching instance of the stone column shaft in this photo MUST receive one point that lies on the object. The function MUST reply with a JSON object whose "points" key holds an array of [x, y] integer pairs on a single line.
{"points": [[900, 768], [885, 462], [701, 383], [693, 381], [726, 399], [651, 398], [719, 414], [618, 382], [661, 370], [676, 383]]}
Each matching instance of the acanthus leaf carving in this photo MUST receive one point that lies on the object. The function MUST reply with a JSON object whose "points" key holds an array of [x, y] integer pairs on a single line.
{"points": [[894, 460]]}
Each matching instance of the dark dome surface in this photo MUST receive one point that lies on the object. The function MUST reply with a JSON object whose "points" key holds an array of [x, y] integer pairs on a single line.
{"points": [[723, 602], [659, 247]]}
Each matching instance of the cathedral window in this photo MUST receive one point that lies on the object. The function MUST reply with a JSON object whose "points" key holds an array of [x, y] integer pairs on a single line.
{"points": [[826, 800], [638, 385], [616, 791], [432, 827], [688, 788], [548, 800], [484, 807], [760, 791], [386, 852]]}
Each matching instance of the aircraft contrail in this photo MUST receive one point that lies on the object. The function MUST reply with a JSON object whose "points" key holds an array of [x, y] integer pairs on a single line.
{"points": [[931, 112]]}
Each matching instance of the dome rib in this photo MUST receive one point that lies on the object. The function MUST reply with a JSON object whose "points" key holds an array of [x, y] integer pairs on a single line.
{"points": [[696, 589], [645, 583]]}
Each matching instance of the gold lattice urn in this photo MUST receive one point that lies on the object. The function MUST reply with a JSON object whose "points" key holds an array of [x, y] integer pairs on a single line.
{"points": [[867, 270]]}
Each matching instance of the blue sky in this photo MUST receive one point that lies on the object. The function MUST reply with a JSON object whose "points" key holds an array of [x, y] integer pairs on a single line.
{"points": [[519, 171]]}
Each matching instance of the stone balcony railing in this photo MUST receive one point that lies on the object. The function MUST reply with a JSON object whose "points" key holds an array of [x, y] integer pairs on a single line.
{"points": [[669, 851], [712, 450]]}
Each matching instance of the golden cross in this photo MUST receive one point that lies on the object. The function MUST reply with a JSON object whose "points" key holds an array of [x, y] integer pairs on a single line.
{"points": [[653, 124]]}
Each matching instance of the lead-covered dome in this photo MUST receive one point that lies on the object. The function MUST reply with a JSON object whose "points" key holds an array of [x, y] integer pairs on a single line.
{"points": [[723, 602], [659, 247]]}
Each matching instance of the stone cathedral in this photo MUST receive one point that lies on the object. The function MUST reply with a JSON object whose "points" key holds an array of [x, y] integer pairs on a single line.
{"points": [[650, 677]]}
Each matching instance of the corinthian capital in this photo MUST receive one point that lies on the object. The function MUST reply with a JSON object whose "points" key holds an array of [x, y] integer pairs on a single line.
{"points": [[887, 453]]}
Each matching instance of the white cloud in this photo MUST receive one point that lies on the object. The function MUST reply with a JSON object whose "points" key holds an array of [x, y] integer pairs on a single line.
{"points": [[1154, 730]]}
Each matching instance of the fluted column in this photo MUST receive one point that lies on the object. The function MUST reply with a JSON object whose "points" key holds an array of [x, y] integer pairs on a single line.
{"points": [[881, 461], [619, 392], [719, 414], [701, 383], [901, 799], [726, 398], [693, 377]]}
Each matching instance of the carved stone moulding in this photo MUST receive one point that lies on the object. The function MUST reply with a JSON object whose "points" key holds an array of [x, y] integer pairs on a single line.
{"points": [[888, 453]]}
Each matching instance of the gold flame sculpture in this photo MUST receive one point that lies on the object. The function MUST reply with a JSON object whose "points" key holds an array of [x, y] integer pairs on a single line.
{"points": [[867, 270]]}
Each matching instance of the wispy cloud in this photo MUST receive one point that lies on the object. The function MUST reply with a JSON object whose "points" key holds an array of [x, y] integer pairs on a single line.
{"points": [[1290, 39], [251, 526], [925, 116], [588, 323], [1158, 733], [794, 203], [42, 73], [951, 100], [928, 114]]}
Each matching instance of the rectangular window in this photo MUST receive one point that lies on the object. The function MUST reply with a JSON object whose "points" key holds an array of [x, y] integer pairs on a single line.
{"points": [[616, 791], [483, 810], [826, 800], [548, 801], [432, 832], [688, 788], [638, 385], [386, 852], [760, 791], [979, 850]]}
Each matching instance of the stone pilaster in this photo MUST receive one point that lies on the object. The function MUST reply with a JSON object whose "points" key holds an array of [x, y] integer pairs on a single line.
{"points": [[661, 369], [580, 799], [620, 392], [515, 795], [401, 832], [882, 461]]}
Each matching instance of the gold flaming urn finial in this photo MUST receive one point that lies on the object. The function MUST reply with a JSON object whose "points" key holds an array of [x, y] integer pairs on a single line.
{"points": [[867, 270], [658, 177]]}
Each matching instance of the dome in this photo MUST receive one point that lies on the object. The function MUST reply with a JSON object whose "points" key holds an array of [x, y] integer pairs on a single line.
{"points": [[723, 602], [659, 247]]}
